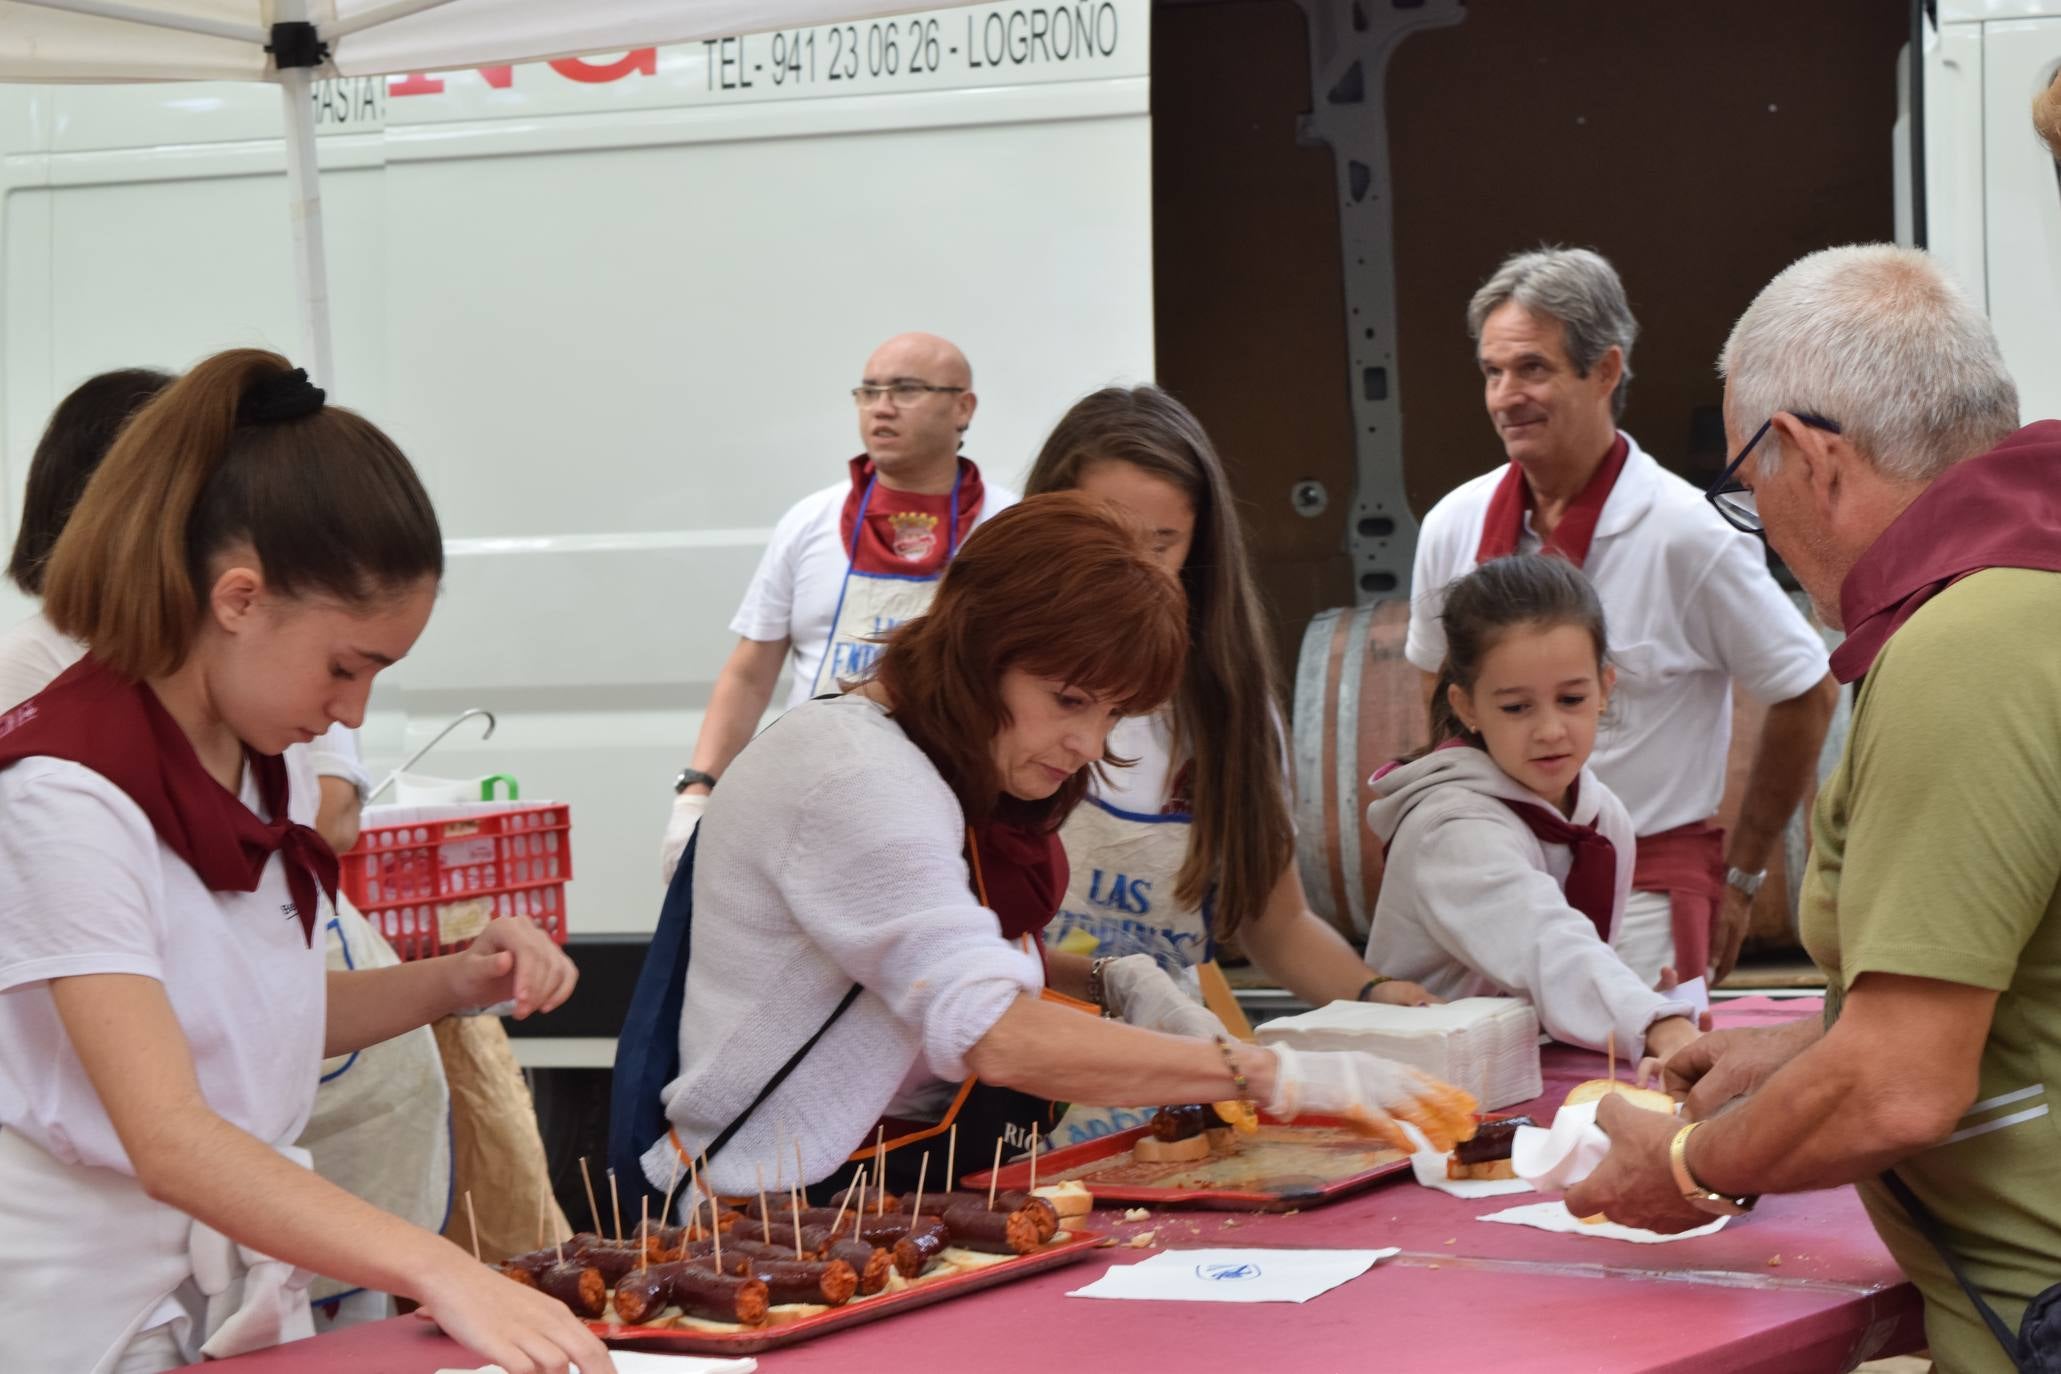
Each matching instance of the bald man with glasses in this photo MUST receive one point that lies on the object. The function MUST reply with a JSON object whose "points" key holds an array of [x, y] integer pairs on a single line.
{"points": [[850, 562]]}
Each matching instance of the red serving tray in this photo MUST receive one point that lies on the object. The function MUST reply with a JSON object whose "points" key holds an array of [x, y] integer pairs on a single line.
{"points": [[1361, 1162], [749, 1340]]}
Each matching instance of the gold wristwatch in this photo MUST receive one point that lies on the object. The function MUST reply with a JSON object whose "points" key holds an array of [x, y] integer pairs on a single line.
{"points": [[1694, 1193]]}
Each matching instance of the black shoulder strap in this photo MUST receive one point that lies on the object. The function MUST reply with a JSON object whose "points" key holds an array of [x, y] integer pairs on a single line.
{"points": [[773, 1084], [1922, 1216]]}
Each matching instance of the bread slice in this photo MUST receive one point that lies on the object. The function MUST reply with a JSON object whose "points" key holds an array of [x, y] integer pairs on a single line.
{"points": [[1071, 1199], [1149, 1150], [1648, 1099], [1487, 1169]]}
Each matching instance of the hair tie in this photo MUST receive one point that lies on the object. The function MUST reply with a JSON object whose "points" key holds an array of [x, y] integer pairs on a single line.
{"points": [[281, 396]]}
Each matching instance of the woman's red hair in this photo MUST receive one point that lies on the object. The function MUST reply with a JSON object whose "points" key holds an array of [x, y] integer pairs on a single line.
{"points": [[1061, 586]]}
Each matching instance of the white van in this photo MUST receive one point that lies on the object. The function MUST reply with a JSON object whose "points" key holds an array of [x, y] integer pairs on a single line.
{"points": [[612, 308]]}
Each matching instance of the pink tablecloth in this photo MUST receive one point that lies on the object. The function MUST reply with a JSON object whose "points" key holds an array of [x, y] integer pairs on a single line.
{"points": [[1800, 1285]]}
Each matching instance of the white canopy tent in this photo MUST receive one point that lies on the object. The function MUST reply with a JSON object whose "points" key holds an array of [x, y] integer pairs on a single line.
{"points": [[295, 43]]}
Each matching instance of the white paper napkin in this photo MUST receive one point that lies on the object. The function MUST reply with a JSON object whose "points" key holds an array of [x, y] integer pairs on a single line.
{"points": [[1233, 1275], [1695, 992], [639, 1362], [1554, 1216], [1554, 1159], [1429, 1165]]}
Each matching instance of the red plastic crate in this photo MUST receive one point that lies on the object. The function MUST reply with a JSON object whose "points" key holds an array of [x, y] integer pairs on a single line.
{"points": [[430, 886]]}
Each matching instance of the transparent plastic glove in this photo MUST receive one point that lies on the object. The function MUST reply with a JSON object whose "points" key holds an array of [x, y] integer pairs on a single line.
{"points": [[1372, 1093], [687, 809], [1141, 993]]}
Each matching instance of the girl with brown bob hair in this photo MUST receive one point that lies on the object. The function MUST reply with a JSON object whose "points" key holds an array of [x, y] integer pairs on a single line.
{"points": [[1195, 844], [874, 870], [241, 565]]}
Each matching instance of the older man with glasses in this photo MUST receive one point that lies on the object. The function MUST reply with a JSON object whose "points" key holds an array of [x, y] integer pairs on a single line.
{"points": [[1888, 468], [1691, 605], [851, 561]]}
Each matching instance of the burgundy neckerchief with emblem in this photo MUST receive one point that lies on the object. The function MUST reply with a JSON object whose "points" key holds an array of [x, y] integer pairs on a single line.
{"points": [[1999, 510], [907, 532], [93, 717], [1503, 525]]}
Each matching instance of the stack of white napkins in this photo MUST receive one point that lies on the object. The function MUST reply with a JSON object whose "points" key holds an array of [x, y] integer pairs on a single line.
{"points": [[1487, 1045]]}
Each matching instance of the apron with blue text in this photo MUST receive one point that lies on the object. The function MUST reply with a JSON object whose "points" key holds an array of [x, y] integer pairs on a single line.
{"points": [[1120, 900], [894, 559]]}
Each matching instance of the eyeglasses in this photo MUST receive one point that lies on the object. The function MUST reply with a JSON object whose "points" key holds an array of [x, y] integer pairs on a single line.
{"points": [[904, 393], [1733, 499]]}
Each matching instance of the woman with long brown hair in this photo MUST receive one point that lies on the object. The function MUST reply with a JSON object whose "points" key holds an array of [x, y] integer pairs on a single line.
{"points": [[1193, 842], [871, 877]]}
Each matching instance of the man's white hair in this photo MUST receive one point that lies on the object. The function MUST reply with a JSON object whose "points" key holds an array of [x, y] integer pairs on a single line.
{"points": [[1579, 288], [1879, 339]]}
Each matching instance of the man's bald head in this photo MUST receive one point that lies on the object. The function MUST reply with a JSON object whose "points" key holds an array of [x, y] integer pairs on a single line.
{"points": [[2046, 115], [913, 438], [932, 358]]}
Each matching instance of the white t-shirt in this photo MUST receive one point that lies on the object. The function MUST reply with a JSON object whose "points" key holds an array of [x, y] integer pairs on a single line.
{"points": [[794, 593], [1142, 788], [831, 855], [1691, 607], [87, 887], [33, 653]]}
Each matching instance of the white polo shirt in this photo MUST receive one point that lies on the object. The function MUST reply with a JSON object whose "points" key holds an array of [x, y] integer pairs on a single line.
{"points": [[794, 593], [1691, 607]]}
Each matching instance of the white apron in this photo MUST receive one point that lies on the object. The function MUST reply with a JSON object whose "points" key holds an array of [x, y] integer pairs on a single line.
{"points": [[381, 1128], [1120, 896], [870, 604], [90, 1262]]}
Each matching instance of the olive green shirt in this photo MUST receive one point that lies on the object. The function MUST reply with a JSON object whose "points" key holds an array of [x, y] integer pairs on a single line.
{"points": [[1936, 853]]}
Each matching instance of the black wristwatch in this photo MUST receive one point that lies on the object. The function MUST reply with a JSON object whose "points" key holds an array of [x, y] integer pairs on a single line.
{"points": [[690, 776]]}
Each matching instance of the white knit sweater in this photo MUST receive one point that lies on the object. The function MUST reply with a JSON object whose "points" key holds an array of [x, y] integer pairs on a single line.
{"points": [[832, 854], [1473, 904]]}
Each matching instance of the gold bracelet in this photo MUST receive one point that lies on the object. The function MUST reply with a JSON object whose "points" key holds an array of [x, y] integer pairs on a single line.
{"points": [[1238, 1079]]}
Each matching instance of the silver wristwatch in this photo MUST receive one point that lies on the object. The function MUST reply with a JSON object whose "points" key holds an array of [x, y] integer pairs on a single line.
{"points": [[1747, 883]]}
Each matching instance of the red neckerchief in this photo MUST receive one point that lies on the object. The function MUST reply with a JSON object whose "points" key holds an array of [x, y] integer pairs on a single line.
{"points": [[1999, 510], [93, 717], [1025, 871], [1591, 885], [1503, 525], [907, 532]]}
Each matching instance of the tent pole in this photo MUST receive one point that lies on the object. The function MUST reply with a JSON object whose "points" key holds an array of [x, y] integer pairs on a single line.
{"points": [[140, 14], [304, 211]]}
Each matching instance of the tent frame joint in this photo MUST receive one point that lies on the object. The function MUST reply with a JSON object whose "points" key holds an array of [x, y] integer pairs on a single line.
{"points": [[296, 44]]}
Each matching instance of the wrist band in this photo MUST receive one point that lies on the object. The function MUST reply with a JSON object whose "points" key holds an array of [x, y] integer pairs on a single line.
{"points": [[1238, 1079], [1372, 983]]}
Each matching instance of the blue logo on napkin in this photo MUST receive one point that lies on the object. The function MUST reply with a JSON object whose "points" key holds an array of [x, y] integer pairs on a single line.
{"points": [[1227, 1271]]}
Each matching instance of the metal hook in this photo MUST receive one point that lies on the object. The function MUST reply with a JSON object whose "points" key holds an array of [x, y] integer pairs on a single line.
{"points": [[416, 757]]}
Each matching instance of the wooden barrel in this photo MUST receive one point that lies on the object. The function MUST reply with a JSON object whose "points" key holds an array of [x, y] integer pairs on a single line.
{"points": [[1358, 704]]}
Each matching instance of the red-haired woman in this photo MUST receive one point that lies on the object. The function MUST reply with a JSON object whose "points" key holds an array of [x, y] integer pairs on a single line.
{"points": [[874, 871]]}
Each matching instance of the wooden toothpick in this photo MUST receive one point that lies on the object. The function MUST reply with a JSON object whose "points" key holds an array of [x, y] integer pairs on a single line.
{"points": [[1610, 1054], [543, 1206], [880, 1167], [665, 1213], [715, 1231], [615, 1205], [473, 1218], [952, 1158], [758, 1172], [995, 1174], [794, 1201], [644, 1234], [693, 1201], [592, 1206], [800, 1179], [1034, 1157], [859, 1180], [922, 1177]]}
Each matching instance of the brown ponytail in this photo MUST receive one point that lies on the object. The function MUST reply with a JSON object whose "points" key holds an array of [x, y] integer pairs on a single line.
{"points": [[325, 500]]}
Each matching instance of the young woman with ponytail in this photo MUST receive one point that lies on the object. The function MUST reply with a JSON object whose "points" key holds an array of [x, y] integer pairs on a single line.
{"points": [[242, 565]]}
